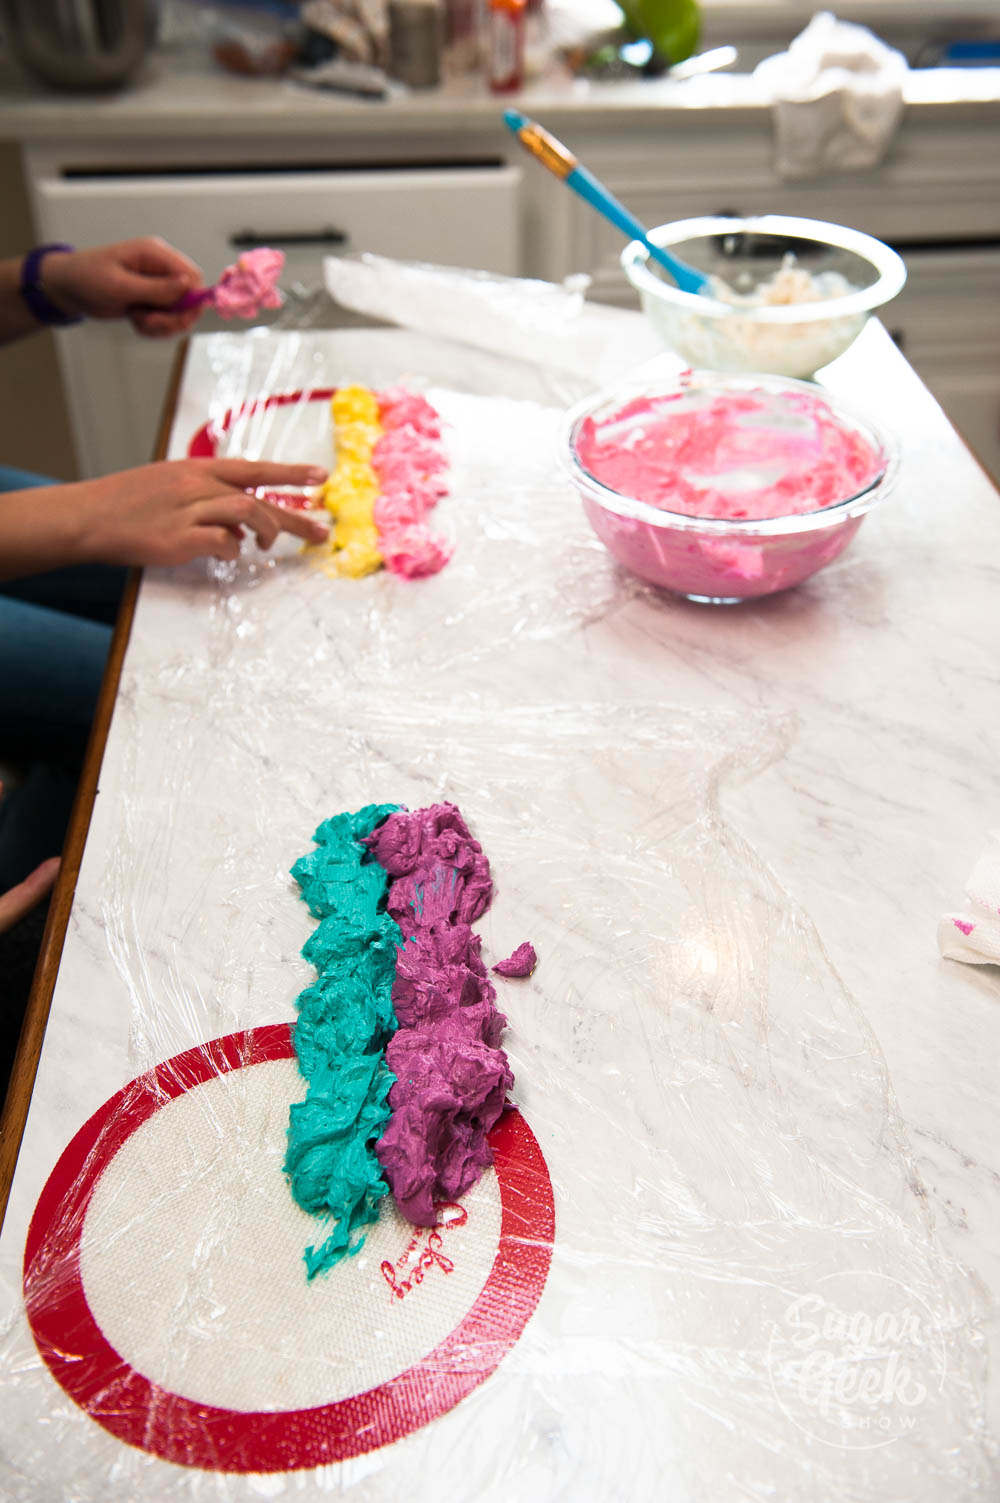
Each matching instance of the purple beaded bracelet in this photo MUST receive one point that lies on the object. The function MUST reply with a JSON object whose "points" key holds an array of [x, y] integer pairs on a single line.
{"points": [[34, 293]]}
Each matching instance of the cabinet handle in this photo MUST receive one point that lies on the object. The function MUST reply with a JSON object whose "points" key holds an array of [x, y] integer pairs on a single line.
{"points": [[250, 240]]}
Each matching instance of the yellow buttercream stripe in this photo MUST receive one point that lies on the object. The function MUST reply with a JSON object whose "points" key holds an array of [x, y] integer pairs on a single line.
{"points": [[351, 489]]}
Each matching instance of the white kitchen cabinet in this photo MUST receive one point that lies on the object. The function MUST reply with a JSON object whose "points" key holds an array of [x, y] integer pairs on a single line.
{"points": [[462, 216], [947, 322]]}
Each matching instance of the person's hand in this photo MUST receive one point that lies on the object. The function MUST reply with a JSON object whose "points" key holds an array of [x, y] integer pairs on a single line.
{"points": [[136, 279], [181, 509], [166, 513], [19, 900]]}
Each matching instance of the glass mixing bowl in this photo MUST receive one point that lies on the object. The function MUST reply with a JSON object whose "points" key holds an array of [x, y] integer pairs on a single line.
{"points": [[787, 339], [717, 560]]}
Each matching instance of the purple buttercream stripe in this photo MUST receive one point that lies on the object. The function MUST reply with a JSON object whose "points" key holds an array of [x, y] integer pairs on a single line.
{"points": [[452, 1077]]}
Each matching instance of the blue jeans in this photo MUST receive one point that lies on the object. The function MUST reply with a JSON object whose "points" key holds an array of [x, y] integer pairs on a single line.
{"points": [[55, 631]]}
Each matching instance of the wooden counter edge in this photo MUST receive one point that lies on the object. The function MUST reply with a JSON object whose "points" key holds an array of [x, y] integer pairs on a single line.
{"points": [[29, 1048]]}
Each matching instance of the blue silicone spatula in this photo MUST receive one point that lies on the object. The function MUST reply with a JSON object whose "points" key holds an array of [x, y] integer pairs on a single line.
{"points": [[563, 164]]}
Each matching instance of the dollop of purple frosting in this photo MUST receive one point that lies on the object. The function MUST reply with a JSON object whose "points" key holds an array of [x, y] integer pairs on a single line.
{"points": [[521, 963], [452, 1077]]}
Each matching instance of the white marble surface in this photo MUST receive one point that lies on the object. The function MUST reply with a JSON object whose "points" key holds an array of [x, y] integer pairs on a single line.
{"points": [[729, 833]]}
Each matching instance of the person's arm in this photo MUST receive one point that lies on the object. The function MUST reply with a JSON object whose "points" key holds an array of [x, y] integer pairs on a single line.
{"points": [[136, 279], [19, 900], [166, 513]]}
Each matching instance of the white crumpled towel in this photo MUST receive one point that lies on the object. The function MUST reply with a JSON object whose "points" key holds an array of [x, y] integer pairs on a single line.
{"points": [[974, 935], [836, 96]]}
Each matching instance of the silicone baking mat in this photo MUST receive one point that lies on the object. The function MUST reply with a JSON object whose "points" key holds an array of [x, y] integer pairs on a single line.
{"points": [[165, 1288]]}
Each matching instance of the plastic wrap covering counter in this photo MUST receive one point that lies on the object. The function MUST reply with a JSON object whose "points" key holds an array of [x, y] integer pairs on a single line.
{"points": [[725, 1150], [540, 323]]}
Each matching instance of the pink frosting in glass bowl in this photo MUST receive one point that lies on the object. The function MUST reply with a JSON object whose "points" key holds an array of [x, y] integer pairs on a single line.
{"points": [[725, 487]]}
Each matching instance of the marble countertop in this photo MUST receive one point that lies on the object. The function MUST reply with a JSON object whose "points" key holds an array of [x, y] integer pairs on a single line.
{"points": [[175, 98], [730, 834]]}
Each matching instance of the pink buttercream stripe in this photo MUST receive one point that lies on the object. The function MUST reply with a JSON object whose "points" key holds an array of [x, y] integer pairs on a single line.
{"points": [[410, 466]]}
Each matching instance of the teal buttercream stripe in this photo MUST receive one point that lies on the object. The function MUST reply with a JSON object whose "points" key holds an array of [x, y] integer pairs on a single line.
{"points": [[345, 1021]]}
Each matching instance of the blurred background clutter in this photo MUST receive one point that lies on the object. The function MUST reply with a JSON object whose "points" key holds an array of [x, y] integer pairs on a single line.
{"points": [[103, 44]]}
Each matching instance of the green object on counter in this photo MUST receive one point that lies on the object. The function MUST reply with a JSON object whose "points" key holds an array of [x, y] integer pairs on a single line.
{"points": [[345, 1020], [672, 26]]}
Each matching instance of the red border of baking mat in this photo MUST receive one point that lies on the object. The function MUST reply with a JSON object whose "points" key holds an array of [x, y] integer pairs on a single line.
{"points": [[177, 1429], [204, 443]]}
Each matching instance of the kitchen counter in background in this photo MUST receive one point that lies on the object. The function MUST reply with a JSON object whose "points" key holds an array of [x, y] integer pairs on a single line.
{"points": [[178, 94], [213, 162]]}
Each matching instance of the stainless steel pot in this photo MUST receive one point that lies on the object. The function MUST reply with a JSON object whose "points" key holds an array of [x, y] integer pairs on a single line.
{"points": [[81, 44]]}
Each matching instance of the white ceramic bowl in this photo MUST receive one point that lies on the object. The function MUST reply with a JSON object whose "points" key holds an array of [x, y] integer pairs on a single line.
{"points": [[786, 340]]}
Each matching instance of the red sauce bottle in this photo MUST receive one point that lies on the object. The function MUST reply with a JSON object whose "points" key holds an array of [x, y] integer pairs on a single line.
{"points": [[505, 45]]}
